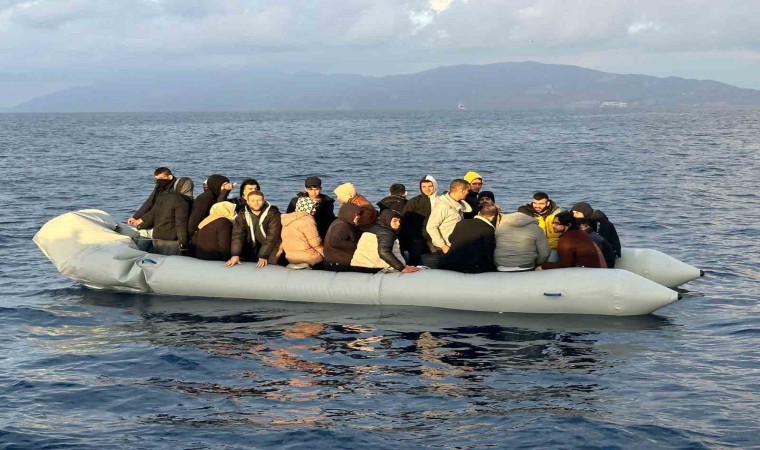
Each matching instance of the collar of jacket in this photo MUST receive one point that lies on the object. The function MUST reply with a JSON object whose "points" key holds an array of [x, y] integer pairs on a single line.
{"points": [[262, 216], [485, 220]]}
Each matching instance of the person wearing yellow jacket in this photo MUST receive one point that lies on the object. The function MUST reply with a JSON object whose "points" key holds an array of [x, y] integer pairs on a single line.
{"points": [[544, 209]]}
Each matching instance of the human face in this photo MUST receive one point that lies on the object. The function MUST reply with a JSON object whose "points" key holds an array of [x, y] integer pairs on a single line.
{"points": [[540, 205], [558, 227], [255, 202], [314, 192], [163, 176], [248, 189], [486, 201], [476, 185], [427, 188], [396, 223]]}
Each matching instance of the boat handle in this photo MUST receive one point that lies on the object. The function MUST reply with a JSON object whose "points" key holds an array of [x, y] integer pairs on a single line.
{"points": [[552, 294]]}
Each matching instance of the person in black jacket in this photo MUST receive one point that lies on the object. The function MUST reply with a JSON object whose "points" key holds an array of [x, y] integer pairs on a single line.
{"points": [[325, 213], [168, 219], [342, 237], [246, 187], [473, 242], [257, 233], [219, 188], [396, 201], [378, 247], [598, 222], [607, 251], [414, 239], [165, 182], [213, 240]]}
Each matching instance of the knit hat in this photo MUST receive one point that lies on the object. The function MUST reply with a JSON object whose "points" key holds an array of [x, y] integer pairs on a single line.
{"points": [[313, 182], [307, 205], [472, 176], [345, 190], [583, 208], [487, 194]]}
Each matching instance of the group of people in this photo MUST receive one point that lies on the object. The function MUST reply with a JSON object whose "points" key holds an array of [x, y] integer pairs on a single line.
{"points": [[462, 229]]}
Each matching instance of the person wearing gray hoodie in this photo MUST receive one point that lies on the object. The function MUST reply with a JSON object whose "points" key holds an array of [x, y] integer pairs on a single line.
{"points": [[521, 245]]}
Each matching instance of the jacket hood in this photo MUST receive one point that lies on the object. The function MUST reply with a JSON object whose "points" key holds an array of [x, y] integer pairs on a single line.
{"points": [[345, 190], [348, 211], [597, 215], [583, 208], [184, 186], [215, 183], [224, 210], [472, 176], [288, 219], [517, 219], [433, 180], [386, 216]]}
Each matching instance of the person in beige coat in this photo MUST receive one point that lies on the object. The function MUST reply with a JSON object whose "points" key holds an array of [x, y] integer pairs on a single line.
{"points": [[300, 237]]}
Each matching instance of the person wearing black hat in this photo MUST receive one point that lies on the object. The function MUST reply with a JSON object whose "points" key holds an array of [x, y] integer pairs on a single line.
{"points": [[325, 209], [598, 222]]}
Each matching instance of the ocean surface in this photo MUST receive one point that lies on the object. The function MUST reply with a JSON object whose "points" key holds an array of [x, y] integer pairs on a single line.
{"points": [[85, 369]]}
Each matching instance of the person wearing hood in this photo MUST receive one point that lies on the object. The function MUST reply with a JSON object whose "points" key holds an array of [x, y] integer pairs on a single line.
{"points": [[521, 245], [599, 223], [219, 188], [473, 243], [346, 193], [396, 201], [544, 210], [213, 240], [445, 214], [342, 237], [378, 248], [168, 218], [257, 233], [604, 246], [246, 187], [165, 182], [300, 237], [473, 195], [415, 240], [575, 248], [325, 209]]}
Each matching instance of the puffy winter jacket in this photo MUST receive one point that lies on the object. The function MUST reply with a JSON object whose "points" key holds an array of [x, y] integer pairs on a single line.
{"points": [[300, 239], [342, 236], [520, 242]]}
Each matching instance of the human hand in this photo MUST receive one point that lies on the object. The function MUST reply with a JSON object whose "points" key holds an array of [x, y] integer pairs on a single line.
{"points": [[410, 269], [538, 268], [227, 186], [446, 248], [262, 262], [235, 260], [131, 221]]}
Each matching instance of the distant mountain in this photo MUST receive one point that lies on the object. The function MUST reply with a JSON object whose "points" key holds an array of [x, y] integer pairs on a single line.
{"points": [[524, 85]]}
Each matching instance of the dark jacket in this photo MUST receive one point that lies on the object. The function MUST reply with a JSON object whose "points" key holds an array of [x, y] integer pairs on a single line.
{"points": [[342, 236], [202, 205], [576, 249], [168, 218], [394, 202], [602, 225], [266, 238], [413, 220], [605, 247], [472, 199], [151, 200], [472, 245], [213, 242], [325, 214]]}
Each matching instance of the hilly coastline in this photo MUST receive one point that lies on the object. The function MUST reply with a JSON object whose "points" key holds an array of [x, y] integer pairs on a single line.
{"points": [[509, 85]]}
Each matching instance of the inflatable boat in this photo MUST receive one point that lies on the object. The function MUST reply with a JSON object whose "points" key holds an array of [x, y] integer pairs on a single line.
{"points": [[92, 248]]}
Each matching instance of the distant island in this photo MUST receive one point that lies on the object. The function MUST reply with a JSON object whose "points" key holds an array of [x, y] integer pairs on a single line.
{"points": [[500, 86]]}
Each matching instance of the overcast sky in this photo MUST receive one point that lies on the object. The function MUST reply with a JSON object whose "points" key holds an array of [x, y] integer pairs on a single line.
{"points": [[49, 44]]}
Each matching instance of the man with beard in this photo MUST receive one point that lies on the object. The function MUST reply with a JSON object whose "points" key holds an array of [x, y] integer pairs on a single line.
{"points": [[325, 209], [544, 210], [575, 248], [256, 234], [414, 239]]}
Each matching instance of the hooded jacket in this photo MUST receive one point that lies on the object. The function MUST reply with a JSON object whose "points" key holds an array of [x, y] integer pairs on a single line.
{"points": [[213, 240], [300, 239], [472, 246], [342, 236], [545, 222], [520, 242], [257, 237], [602, 225], [378, 247], [472, 198], [415, 216], [202, 205], [369, 216], [444, 216], [168, 216], [324, 215], [393, 202]]}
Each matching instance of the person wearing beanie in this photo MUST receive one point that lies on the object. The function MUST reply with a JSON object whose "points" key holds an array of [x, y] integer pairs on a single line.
{"points": [[415, 240], [219, 188], [599, 223], [473, 195], [473, 243], [168, 218], [575, 247], [300, 238], [396, 201], [324, 215], [378, 248], [346, 193], [213, 240], [447, 212]]}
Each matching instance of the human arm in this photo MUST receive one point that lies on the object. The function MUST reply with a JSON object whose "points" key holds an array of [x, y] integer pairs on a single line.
{"points": [[542, 246], [385, 241], [433, 227]]}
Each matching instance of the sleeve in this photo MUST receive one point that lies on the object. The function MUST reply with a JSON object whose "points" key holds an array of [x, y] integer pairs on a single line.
{"points": [[542, 246], [198, 213], [274, 232], [180, 222], [490, 244], [432, 227], [608, 232], [147, 220], [566, 252], [312, 236], [146, 206], [291, 205], [239, 235], [385, 242], [338, 239]]}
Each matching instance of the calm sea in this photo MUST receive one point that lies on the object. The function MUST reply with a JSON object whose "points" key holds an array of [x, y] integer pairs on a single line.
{"points": [[83, 369]]}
